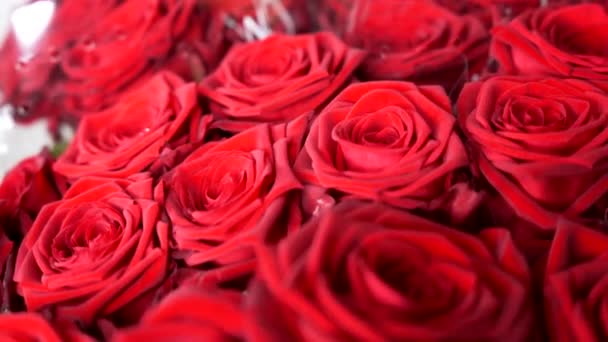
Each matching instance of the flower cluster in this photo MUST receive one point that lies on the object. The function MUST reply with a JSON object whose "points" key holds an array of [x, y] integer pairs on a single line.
{"points": [[382, 170]]}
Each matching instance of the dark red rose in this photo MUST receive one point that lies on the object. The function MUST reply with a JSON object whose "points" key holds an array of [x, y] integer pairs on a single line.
{"points": [[371, 273], [278, 79], [576, 285], [389, 141], [542, 144], [131, 135], [189, 314], [218, 196], [555, 41], [418, 41], [96, 251], [32, 327], [24, 190]]}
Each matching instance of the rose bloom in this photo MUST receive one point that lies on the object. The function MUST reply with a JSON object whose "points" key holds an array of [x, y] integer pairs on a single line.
{"points": [[189, 314], [555, 41], [218, 195], [96, 251], [389, 141], [278, 79], [24, 190], [418, 41], [576, 284], [32, 327], [131, 135], [367, 272], [542, 144]]}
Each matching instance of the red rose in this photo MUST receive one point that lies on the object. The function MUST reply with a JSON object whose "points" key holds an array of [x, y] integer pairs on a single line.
{"points": [[418, 41], [542, 144], [94, 252], [367, 272], [576, 285], [128, 137], [32, 327], [218, 195], [278, 79], [389, 141], [189, 314], [24, 190], [555, 41]]}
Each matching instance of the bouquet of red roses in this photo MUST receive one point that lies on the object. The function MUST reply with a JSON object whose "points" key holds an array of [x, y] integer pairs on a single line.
{"points": [[329, 170]]}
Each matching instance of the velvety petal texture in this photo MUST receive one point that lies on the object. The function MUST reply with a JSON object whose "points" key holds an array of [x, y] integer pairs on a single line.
{"points": [[542, 144], [128, 137], [190, 314], [555, 41], [218, 195], [366, 272], [576, 285], [95, 251], [389, 141], [278, 79]]}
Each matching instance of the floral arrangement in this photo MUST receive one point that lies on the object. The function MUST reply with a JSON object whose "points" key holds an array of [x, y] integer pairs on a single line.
{"points": [[329, 170]]}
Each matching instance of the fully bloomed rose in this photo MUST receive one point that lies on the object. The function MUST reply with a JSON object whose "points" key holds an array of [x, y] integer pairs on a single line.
{"points": [[130, 136], [95, 252], [542, 144], [278, 79], [366, 272], [393, 142], [418, 41], [32, 327], [576, 285], [24, 190], [190, 314], [218, 195], [560, 41]]}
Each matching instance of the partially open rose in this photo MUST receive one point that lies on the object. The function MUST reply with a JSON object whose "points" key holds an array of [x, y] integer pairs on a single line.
{"points": [[96, 251], [555, 41], [366, 272], [542, 144], [218, 195], [278, 79], [576, 285], [389, 141], [129, 136], [190, 314], [418, 41]]}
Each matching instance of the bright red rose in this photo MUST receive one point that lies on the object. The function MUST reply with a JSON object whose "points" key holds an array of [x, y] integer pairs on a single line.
{"points": [[389, 141], [96, 251], [555, 41], [576, 285], [542, 144], [218, 196], [418, 41], [24, 190], [32, 327], [189, 314], [366, 272], [278, 79], [131, 135]]}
